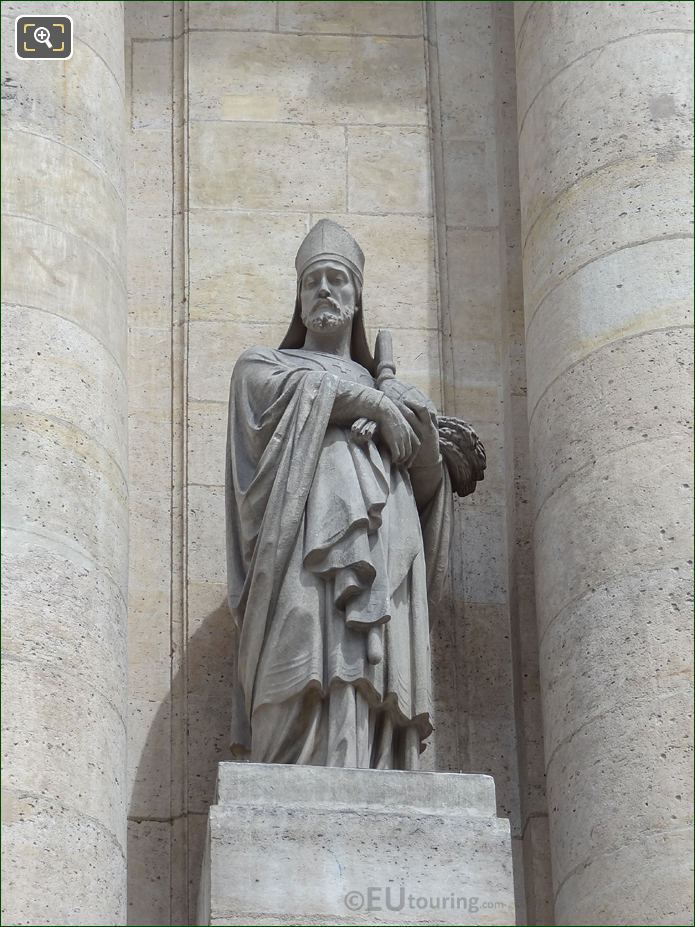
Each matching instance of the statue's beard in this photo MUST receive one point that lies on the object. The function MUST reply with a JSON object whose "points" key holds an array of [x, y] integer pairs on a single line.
{"points": [[337, 317]]}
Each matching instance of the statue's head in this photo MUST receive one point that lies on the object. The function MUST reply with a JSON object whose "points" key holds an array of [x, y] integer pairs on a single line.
{"points": [[327, 295], [329, 266]]}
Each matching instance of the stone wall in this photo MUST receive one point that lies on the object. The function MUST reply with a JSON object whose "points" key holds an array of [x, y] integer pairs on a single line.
{"points": [[605, 171], [291, 112], [65, 487], [490, 618], [248, 123], [157, 740]]}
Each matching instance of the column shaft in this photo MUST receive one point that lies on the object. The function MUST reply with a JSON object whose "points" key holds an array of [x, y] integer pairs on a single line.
{"points": [[65, 523], [605, 109]]}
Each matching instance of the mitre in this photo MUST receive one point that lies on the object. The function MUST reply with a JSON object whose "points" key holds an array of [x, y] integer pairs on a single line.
{"points": [[331, 242]]}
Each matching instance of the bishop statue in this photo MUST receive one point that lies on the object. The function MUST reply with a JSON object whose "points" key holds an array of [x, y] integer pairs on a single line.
{"points": [[339, 508]]}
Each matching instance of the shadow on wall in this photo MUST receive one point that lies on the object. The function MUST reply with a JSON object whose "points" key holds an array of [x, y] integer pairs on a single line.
{"points": [[194, 722], [190, 734]]}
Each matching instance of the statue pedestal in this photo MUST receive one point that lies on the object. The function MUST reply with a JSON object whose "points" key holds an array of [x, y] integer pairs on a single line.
{"points": [[310, 845]]}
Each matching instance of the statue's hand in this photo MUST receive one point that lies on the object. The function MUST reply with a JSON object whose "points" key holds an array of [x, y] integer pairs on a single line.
{"points": [[421, 414], [396, 431], [403, 394], [423, 420]]}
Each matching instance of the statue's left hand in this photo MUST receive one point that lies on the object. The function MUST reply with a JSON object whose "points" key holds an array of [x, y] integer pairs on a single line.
{"points": [[405, 394], [420, 413]]}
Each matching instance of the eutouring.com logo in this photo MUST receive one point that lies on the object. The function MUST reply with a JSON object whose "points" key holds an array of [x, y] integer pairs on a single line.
{"points": [[397, 898], [43, 37]]}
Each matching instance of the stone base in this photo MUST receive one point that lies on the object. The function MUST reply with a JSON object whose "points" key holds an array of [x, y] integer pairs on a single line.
{"points": [[309, 845]]}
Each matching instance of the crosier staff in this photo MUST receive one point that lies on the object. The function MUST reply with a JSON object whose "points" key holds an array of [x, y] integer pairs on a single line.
{"points": [[363, 430], [461, 449]]}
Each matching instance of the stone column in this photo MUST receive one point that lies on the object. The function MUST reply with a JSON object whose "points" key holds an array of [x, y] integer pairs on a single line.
{"points": [[604, 100], [65, 531]]}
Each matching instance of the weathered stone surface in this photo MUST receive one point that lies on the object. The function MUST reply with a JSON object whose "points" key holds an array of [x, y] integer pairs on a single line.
{"points": [[101, 28], [640, 523], [149, 177], [608, 309], [151, 453], [473, 366], [149, 866], [218, 16], [466, 59], [66, 847], [152, 103], [270, 820], [91, 208], [256, 248], [149, 370], [470, 200], [645, 87], [393, 18], [485, 575], [66, 276], [267, 166], [148, 575], [388, 170], [148, 20], [594, 391], [313, 79], [80, 739], [211, 676], [613, 203], [212, 358], [66, 463], [40, 581], [577, 645], [486, 702], [474, 285], [537, 867], [149, 748], [149, 271], [614, 297], [484, 381], [639, 784], [65, 515], [207, 430], [80, 380], [521, 8], [588, 894], [86, 113], [206, 560], [573, 32], [157, 719]]}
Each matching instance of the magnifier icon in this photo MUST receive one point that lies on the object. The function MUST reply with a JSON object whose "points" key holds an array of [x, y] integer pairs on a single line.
{"points": [[43, 35]]}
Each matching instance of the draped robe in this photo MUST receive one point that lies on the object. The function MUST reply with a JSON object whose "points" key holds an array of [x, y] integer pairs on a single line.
{"points": [[325, 541]]}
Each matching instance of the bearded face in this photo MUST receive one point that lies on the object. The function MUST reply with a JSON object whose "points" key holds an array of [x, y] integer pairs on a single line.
{"points": [[328, 296]]}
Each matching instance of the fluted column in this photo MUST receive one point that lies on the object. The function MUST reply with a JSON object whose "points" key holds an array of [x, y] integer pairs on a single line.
{"points": [[605, 108], [65, 531]]}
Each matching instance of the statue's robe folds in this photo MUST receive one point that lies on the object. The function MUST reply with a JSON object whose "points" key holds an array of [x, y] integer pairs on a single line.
{"points": [[325, 541]]}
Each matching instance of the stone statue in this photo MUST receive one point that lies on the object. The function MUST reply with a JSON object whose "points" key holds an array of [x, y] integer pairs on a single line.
{"points": [[339, 506]]}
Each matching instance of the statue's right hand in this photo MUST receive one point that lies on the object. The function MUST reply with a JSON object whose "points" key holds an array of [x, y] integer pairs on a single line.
{"points": [[397, 433]]}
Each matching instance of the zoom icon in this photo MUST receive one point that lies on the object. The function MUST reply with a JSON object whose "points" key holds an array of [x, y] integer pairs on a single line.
{"points": [[43, 37]]}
